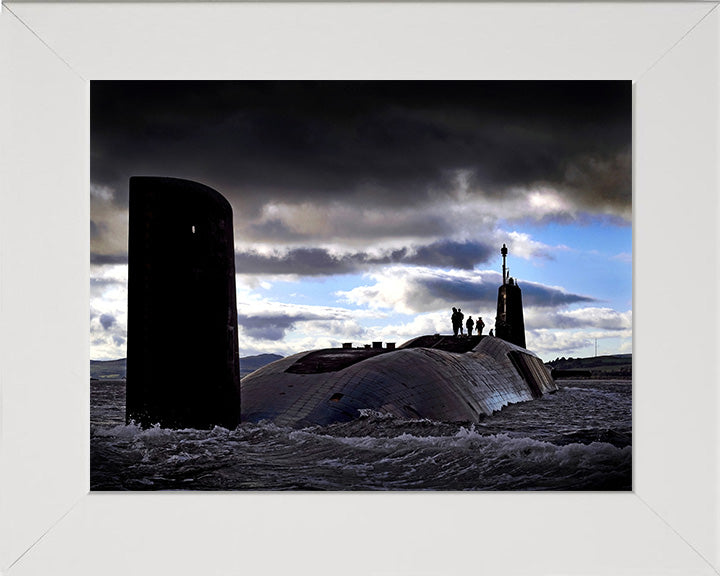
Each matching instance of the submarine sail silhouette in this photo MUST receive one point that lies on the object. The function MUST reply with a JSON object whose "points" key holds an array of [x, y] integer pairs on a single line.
{"points": [[183, 366]]}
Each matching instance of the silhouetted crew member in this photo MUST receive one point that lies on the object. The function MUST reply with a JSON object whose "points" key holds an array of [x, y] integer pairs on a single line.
{"points": [[491, 332], [455, 322], [469, 325], [460, 320], [480, 325]]}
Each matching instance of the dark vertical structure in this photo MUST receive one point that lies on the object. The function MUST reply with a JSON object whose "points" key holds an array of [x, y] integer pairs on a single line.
{"points": [[182, 367], [509, 322]]}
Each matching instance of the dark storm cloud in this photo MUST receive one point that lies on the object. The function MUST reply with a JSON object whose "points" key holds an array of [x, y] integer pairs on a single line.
{"points": [[100, 259], [549, 297], [457, 290], [320, 262], [448, 254], [300, 261], [107, 321], [271, 326], [426, 292], [383, 143]]}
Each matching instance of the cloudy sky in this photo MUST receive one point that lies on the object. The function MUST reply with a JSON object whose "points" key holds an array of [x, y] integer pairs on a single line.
{"points": [[364, 211]]}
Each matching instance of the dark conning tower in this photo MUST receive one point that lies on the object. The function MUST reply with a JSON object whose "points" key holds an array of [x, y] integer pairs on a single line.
{"points": [[509, 322], [182, 365]]}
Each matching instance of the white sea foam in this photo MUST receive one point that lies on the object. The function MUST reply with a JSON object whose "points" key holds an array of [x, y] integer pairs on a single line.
{"points": [[551, 444]]}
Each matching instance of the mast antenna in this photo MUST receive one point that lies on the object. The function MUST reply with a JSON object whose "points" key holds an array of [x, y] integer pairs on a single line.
{"points": [[504, 252]]}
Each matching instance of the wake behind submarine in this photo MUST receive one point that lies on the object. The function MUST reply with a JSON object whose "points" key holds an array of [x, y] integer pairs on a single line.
{"points": [[183, 370]]}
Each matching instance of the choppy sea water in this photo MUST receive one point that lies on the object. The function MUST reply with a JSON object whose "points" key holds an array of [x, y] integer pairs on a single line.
{"points": [[579, 438]]}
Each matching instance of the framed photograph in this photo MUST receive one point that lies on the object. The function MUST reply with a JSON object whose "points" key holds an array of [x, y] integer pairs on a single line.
{"points": [[313, 237], [51, 56]]}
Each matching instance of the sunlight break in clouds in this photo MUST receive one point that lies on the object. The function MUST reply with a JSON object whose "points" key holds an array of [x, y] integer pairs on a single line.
{"points": [[410, 290]]}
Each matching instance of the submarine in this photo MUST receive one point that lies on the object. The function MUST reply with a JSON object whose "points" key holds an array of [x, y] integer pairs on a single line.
{"points": [[183, 368], [434, 377]]}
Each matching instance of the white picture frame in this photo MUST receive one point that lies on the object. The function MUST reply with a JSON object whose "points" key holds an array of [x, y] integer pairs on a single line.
{"points": [[50, 523]]}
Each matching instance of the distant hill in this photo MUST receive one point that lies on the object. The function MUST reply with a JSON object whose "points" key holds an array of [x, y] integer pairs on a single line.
{"points": [[251, 363], [107, 369], [614, 366], [116, 369]]}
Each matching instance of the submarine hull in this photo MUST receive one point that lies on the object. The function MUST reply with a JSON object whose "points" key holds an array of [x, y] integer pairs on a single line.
{"points": [[417, 380]]}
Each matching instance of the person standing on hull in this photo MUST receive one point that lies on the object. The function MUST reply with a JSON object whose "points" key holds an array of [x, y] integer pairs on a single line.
{"points": [[479, 325], [455, 323], [469, 325], [461, 316]]}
